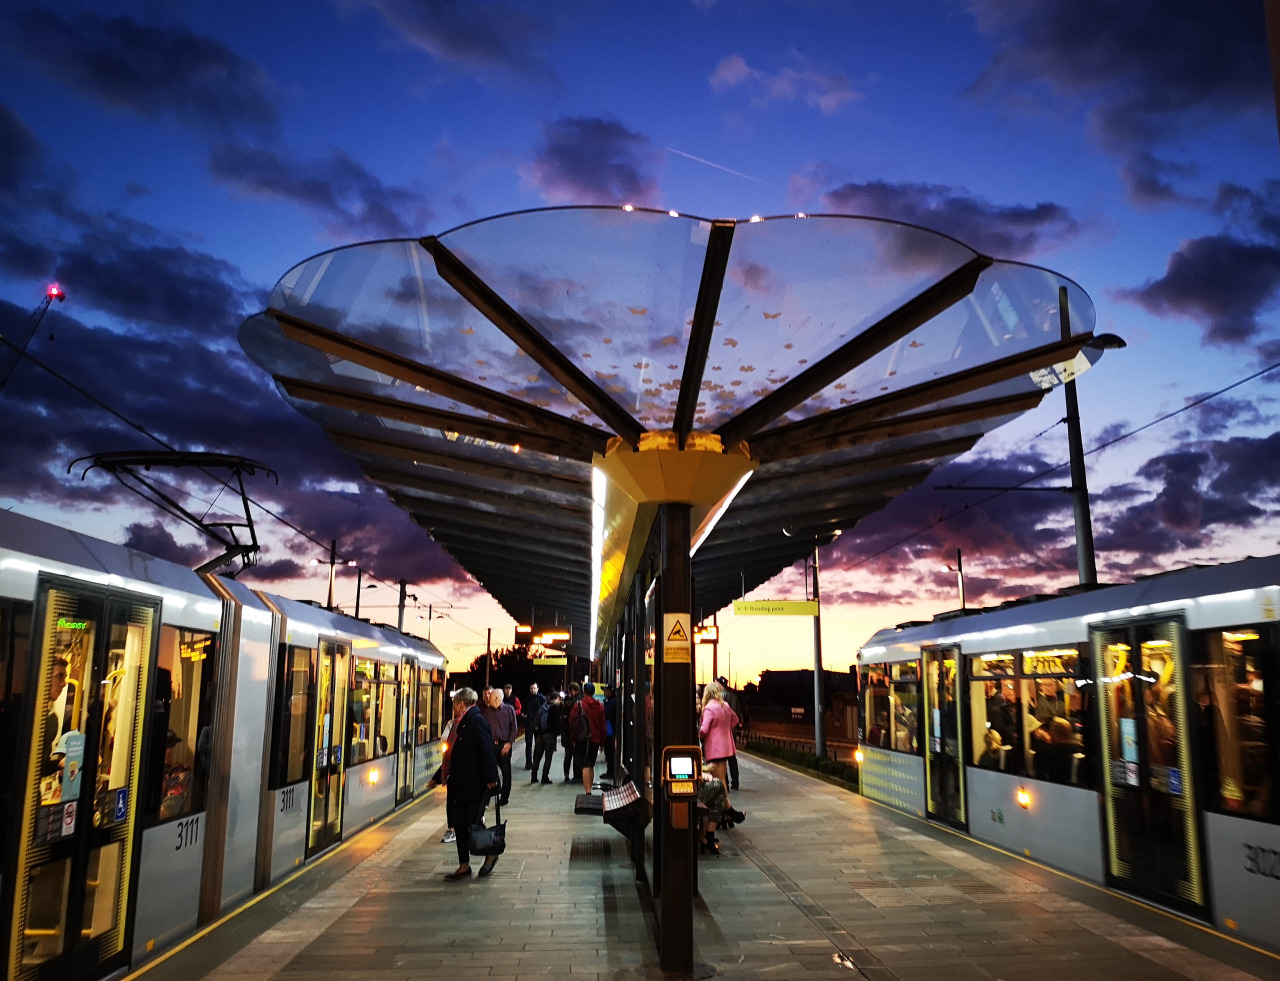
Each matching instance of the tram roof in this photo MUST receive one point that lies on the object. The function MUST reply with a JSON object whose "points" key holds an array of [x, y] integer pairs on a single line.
{"points": [[476, 374]]}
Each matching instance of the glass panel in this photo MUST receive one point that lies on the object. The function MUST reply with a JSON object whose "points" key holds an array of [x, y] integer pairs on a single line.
{"points": [[384, 714], [337, 769], [425, 703], [361, 706], [1053, 660], [904, 719], [992, 665], [1234, 722], [1055, 723], [905, 671], [181, 733], [995, 727], [944, 769], [290, 750]]}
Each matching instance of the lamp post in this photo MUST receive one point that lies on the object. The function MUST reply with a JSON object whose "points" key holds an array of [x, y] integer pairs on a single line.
{"points": [[819, 714], [54, 292]]}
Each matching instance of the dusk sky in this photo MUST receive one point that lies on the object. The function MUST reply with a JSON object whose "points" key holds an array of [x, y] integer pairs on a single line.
{"points": [[166, 164]]}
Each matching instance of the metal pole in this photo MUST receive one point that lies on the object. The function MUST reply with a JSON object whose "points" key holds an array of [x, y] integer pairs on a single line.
{"points": [[359, 586], [488, 655], [404, 593], [333, 563], [819, 714], [1079, 487], [676, 724], [960, 576]]}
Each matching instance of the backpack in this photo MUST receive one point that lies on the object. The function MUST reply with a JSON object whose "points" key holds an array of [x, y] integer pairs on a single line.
{"points": [[580, 728], [544, 710]]}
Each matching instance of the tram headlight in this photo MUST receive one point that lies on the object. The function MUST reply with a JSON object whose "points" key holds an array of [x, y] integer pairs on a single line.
{"points": [[1023, 797], [373, 776]]}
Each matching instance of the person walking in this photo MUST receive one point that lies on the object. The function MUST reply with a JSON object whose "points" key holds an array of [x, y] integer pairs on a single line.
{"points": [[532, 706], [586, 728], [549, 726], [716, 730], [472, 778]]}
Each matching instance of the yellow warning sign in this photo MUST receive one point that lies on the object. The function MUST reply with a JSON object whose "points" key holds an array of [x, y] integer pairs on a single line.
{"points": [[677, 628]]}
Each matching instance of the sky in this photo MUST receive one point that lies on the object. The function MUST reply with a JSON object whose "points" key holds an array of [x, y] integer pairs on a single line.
{"points": [[166, 163]]}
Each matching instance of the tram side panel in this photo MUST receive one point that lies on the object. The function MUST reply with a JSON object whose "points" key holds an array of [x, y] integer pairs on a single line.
{"points": [[1244, 863], [175, 796], [249, 730]]}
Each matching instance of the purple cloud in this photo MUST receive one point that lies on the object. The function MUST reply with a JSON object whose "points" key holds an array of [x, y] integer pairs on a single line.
{"points": [[486, 40], [586, 160], [1147, 71], [1003, 231], [826, 89], [350, 199], [155, 72]]}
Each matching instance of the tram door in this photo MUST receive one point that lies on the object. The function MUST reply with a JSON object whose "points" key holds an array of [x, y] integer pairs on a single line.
{"points": [[1153, 847], [330, 739], [408, 728], [944, 769], [90, 674]]}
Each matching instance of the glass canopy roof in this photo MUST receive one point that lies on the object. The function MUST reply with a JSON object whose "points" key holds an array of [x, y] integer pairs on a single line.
{"points": [[474, 374]]}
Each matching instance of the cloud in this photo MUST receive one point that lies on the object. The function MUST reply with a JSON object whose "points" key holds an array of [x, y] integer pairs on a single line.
{"points": [[1222, 282], [20, 151], [1147, 71], [349, 199], [1003, 231], [486, 40], [587, 160], [151, 71], [826, 89]]}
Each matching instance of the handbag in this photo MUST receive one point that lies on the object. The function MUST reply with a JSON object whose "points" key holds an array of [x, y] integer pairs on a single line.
{"points": [[491, 840]]}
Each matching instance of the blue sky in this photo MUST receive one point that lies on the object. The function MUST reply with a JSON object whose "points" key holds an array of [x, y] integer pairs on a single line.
{"points": [[166, 165]]}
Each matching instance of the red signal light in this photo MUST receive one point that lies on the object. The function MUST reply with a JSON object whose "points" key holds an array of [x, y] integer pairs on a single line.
{"points": [[56, 293]]}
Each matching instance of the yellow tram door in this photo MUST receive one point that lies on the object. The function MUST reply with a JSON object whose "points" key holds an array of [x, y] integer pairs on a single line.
{"points": [[89, 667], [329, 745], [1153, 843], [944, 763], [408, 729]]}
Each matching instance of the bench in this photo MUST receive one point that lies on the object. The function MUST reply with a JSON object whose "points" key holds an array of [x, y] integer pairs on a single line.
{"points": [[623, 809]]}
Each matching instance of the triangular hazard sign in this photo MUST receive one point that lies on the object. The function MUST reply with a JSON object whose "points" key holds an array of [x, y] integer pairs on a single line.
{"points": [[677, 634]]}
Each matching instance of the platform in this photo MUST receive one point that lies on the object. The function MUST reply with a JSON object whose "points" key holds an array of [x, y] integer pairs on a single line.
{"points": [[816, 883]]}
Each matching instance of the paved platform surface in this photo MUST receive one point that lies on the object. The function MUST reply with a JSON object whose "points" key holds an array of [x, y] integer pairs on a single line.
{"points": [[816, 883]]}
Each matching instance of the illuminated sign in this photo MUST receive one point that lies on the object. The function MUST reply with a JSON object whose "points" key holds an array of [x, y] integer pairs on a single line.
{"points": [[708, 634], [775, 608], [65, 624]]}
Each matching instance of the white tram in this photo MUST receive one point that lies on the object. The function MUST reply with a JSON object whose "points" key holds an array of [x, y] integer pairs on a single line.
{"points": [[1129, 735], [171, 744]]}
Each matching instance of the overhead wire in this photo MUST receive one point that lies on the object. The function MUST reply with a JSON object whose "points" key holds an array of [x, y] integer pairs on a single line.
{"points": [[225, 483], [1044, 473]]}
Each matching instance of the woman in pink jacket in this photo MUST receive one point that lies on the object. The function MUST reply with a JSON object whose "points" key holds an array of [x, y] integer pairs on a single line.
{"points": [[716, 730]]}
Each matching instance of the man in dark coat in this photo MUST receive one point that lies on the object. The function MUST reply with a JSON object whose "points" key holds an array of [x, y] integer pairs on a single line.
{"points": [[473, 776]]}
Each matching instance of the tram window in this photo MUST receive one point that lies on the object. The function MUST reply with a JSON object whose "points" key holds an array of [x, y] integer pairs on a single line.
{"points": [[1233, 720], [891, 706], [15, 631], [1028, 716], [425, 702], [181, 733], [388, 697], [290, 750]]}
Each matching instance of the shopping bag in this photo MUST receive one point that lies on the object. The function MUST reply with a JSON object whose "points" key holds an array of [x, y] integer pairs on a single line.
{"points": [[492, 840]]}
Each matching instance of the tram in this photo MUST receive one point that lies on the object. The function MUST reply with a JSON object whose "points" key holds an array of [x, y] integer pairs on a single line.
{"points": [[1129, 735], [171, 744]]}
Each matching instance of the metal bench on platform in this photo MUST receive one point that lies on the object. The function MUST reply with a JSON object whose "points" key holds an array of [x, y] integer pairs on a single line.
{"points": [[624, 808]]}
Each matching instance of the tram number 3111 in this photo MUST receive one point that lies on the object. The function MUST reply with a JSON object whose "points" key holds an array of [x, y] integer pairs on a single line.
{"points": [[188, 833]]}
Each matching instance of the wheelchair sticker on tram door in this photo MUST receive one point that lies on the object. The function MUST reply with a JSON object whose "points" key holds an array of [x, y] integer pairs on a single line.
{"points": [[122, 803]]}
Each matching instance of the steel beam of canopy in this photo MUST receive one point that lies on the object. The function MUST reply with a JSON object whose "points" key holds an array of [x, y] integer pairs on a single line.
{"points": [[418, 415], [817, 435], [840, 514], [509, 517], [441, 383], [549, 550], [363, 445], [871, 463], [714, 264], [495, 309], [437, 483], [919, 310]]}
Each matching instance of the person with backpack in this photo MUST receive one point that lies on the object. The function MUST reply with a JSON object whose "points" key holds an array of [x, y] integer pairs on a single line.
{"points": [[575, 693], [586, 728], [548, 725], [533, 705]]}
